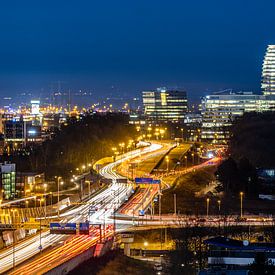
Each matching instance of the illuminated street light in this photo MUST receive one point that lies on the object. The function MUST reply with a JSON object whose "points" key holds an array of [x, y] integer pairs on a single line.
{"points": [[219, 205], [58, 188], [207, 207], [167, 162], [185, 157], [45, 189], [181, 133], [241, 195]]}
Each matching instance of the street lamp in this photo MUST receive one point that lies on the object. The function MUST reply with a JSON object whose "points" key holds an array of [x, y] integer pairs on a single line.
{"points": [[51, 193], [41, 200], [58, 188], [45, 195], [167, 162], [219, 207], [175, 204], [241, 195], [185, 157], [35, 197], [207, 207], [193, 159], [89, 185]]}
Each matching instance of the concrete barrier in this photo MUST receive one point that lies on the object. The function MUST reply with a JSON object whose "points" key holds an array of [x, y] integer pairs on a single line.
{"points": [[95, 251], [68, 266]]}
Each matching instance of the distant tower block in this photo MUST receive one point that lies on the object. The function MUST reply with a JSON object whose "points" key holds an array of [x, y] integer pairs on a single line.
{"points": [[35, 107], [127, 239]]}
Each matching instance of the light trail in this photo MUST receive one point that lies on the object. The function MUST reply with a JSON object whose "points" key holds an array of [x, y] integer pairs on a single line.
{"points": [[107, 202]]}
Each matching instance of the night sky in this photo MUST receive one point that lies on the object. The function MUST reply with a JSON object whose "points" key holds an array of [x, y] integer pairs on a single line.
{"points": [[134, 45]]}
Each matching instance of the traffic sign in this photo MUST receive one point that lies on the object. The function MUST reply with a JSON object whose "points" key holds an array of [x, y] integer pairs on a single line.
{"points": [[143, 180], [84, 228], [141, 212], [62, 228]]}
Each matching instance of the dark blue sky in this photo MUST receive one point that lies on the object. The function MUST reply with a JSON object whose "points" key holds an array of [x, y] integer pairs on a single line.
{"points": [[134, 45]]}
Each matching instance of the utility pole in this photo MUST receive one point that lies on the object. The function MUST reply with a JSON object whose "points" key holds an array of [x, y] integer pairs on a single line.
{"points": [[175, 204], [241, 194]]}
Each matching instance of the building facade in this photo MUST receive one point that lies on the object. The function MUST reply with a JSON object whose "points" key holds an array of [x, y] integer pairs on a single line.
{"points": [[268, 72], [8, 181], [163, 105], [227, 255], [220, 110]]}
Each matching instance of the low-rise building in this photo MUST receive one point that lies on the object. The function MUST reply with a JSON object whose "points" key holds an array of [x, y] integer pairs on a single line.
{"points": [[227, 255], [8, 181]]}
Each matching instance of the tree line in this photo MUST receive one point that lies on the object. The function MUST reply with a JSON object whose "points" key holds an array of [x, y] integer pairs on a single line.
{"points": [[78, 142], [251, 147]]}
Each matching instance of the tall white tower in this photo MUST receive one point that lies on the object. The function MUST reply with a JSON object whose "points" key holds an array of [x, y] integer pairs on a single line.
{"points": [[268, 73]]}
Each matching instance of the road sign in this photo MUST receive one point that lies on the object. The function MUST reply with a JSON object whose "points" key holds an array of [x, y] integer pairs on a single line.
{"points": [[141, 212], [92, 210], [143, 180], [62, 228], [84, 228], [146, 181]]}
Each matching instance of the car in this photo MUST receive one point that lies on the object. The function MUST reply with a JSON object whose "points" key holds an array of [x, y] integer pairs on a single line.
{"points": [[158, 267]]}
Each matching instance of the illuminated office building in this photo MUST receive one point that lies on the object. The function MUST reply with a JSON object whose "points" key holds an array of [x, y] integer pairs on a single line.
{"points": [[220, 110], [164, 105], [35, 107], [268, 73]]}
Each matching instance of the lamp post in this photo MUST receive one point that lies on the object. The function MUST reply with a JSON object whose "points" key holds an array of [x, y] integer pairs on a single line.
{"points": [[185, 157], [58, 189], [13, 243], [167, 162], [219, 206], [175, 204], [241, 196], [207, 207], [89, 186], [193, 159], [45, 195]]}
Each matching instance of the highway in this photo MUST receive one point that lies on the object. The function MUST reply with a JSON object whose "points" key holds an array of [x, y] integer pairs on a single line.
{"points": [[105, 202], [105, 206]]}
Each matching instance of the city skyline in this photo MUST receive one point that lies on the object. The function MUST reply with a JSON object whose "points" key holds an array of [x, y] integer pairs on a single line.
{"points": [[90, 47]]}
